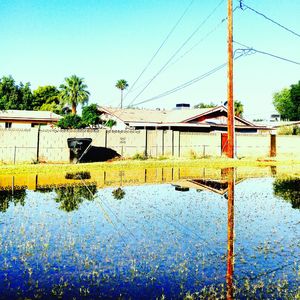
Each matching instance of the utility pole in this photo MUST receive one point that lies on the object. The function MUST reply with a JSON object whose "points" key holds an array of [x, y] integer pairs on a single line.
{"points": [[230, 102]]}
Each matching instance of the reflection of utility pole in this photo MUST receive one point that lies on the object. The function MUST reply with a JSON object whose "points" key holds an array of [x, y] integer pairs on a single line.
{"points": [[230, 234], [230, 102]]}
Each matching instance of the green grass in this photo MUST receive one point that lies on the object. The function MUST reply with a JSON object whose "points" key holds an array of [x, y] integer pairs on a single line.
{"points": [[214, 162]]}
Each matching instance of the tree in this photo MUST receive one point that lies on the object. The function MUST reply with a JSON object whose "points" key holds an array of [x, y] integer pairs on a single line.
{"points": [[71, 122], [74, 92], [205, 105], [287, 102], [13, 96], [26, 96], [122, 85], [283, 103], [90, 115], [238, 108], [46, 98], [295, 96]]}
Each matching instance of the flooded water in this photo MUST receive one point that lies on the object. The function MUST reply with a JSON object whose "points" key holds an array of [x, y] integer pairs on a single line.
{"points": [[168, 233]]}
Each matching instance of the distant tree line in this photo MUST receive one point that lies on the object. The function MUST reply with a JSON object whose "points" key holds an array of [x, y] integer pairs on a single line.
{"points": [[62, 100], [238, 107]]}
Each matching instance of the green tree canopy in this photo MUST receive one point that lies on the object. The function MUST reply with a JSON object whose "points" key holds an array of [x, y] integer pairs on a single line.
{"points": [[238, 108], [71, 122], [14, 96], [122, 85], [90, 115], [287, 102], [46, 98], [74, 92]]}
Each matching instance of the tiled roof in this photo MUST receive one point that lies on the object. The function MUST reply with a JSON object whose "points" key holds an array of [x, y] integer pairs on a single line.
{"points": [[28, 115]]}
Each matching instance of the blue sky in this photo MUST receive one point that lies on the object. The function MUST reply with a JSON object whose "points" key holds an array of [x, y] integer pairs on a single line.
{"points": [[45, 41]]}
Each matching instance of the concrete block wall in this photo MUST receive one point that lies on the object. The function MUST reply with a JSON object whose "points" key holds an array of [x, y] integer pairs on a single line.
{"points": [[252, 145], [288, 145], [201, 144], [53, 145], [19, 145], [125, 142]]}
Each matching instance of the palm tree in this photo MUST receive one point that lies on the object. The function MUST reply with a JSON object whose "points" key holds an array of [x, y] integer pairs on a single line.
{"points": [[238, 108], [122, 85], [74, 92]]}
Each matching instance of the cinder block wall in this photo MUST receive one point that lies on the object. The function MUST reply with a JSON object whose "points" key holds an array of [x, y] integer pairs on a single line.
{"points": [[21, 145], [18, 144], [288, 145], [201, 144], [125, 142], [252, 145]]}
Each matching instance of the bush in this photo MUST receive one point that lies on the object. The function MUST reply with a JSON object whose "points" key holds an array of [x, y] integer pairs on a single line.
{"points": [[78, 175], [90, 115], [139, 156], [71, 122], [289, 130]]}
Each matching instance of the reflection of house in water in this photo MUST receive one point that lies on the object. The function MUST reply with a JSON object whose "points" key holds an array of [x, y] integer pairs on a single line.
{"points": [[219, 186], [216, 186]]}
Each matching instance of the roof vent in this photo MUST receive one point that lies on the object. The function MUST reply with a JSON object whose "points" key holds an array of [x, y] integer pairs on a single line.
{"points": [[182, 106]]}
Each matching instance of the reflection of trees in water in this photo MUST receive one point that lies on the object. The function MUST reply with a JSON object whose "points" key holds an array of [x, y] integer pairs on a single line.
{"points": [[289, 190], [70, 197], [8, 196], [118, 193]]}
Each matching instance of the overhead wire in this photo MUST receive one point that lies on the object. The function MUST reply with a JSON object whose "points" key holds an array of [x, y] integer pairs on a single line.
{"points": [[268, 53], [192, 81], [242, 4], [160, 47], [200, 41], [177, 51], [191, 48]]}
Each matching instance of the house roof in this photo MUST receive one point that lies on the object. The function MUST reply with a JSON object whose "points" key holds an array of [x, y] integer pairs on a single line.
{"points": [[152, 115], [148, 116], [29, 115]]}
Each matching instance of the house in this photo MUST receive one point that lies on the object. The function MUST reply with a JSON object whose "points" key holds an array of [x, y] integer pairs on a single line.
{"points": [[27, 118], [188, 119]]}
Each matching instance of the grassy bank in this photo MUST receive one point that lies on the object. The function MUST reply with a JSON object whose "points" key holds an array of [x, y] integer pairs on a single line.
{"points": [[218, 162]]}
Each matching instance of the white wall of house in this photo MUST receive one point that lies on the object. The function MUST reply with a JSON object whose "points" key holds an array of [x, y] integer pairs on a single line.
{"points": [[15, 125]]}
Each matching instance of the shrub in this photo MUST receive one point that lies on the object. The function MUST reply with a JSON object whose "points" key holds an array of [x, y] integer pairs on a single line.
{"points": [[78, 175], [289, 130], [139, 156], [193, 154], [71, 122]]}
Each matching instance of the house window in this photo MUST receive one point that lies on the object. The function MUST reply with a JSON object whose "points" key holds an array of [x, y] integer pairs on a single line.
{"points": [[8, 124]]}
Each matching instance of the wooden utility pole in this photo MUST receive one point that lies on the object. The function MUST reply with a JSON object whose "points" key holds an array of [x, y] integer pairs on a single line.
{"points": [[230, 234], [230, 102]]}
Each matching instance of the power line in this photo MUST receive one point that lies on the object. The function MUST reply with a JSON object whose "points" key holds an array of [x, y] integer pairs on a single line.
{"points": [[179, 49], [204, 38], [269, 54], [190, 82], [159, 48], [191, 48], [269, 19]]}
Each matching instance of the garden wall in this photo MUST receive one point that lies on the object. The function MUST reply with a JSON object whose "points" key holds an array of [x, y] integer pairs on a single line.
{"points": [[50, 145]]}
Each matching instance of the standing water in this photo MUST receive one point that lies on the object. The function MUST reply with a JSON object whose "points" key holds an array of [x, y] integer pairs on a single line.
{"points": [[167, 233]]}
